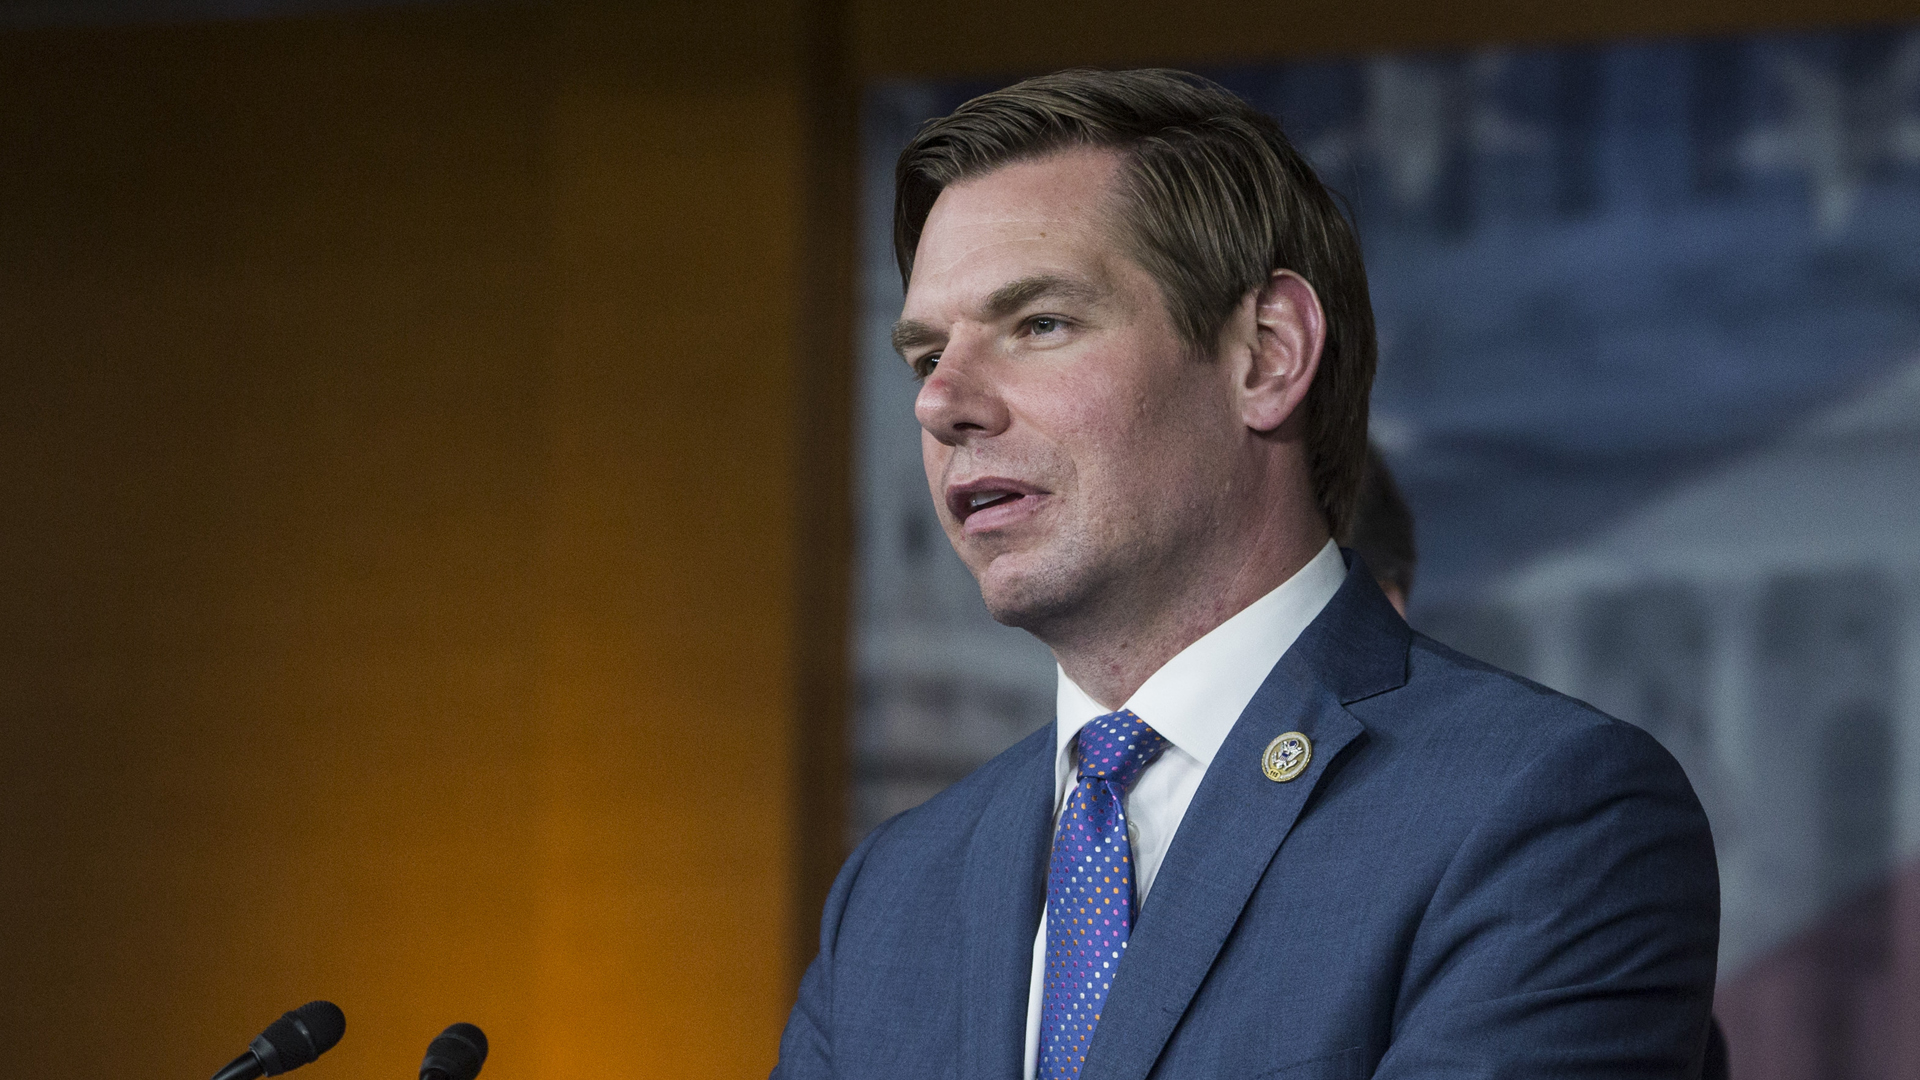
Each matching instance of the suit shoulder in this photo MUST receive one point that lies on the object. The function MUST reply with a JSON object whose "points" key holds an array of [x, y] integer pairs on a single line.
{"points": [[1439, 676], [1453, 708]]}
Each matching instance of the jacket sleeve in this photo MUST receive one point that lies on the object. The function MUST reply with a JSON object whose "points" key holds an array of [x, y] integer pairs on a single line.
{"points": [[1574, 933], [806, 1047]]}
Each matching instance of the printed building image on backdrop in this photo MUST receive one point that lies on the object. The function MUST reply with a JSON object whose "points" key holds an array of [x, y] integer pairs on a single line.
{"points": [[1650, 378]]}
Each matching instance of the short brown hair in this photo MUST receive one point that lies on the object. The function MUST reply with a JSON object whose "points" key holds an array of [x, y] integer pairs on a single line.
{"points": [[1214, 198]]}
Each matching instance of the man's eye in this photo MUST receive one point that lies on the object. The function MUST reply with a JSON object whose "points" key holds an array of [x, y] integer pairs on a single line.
{"points": [[924, 366], [1046, 324]]}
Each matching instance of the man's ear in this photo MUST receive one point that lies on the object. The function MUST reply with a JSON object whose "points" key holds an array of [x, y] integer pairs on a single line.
{"points": [[1290, 328]]}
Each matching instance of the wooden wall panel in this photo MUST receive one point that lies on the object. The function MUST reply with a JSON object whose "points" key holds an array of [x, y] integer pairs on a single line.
{"points": [[668, 653], [394, 441]]}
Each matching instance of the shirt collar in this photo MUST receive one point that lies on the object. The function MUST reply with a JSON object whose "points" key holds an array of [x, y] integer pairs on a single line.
{"points": [[1195, 698]]}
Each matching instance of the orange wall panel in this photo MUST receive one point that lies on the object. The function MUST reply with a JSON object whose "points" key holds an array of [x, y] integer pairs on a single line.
{"points": [[393, 435], [668, 679]]}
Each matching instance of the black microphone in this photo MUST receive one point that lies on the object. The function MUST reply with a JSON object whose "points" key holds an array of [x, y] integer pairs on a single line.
{"points": [[455, 1054], [289, 1042]]}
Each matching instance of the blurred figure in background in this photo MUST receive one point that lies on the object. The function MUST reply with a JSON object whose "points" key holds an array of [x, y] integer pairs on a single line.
{"points": [[1383, 532]]}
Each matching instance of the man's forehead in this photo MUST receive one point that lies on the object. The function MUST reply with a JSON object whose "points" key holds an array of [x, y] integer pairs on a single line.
{"points": [[1077, 174], [1020, 233], [1067, 192]]}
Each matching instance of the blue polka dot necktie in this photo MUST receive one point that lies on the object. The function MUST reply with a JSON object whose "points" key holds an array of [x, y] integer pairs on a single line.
{"points": [[1090, 889]]}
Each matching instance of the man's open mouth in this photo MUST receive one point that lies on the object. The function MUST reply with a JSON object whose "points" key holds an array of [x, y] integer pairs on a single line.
{"points": [[965, 500]]}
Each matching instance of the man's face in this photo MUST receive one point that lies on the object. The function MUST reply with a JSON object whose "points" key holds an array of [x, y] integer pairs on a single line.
{"points": [[1075, 447]]}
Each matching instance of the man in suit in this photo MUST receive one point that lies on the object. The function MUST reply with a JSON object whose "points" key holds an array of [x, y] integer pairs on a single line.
{"points": [[1272, 831]]}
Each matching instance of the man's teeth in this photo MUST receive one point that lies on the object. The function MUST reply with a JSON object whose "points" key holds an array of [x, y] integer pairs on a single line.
{"points": [[986, 498]]}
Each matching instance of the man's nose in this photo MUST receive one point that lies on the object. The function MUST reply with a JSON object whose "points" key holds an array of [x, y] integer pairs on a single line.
{"points": [[960, 400]]}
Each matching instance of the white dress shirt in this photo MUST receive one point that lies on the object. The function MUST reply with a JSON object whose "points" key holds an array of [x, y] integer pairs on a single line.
{"points": [[1193, 701]]}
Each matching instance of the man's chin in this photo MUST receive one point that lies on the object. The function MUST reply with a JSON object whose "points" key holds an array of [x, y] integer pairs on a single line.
{"points": [[1029, 598]]}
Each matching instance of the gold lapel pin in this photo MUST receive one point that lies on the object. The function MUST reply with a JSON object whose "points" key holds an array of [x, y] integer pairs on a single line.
{"points": [[1286, 757]]}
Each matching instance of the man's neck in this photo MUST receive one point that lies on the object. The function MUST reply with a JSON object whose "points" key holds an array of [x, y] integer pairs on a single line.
{"points": [[1121, 648]]}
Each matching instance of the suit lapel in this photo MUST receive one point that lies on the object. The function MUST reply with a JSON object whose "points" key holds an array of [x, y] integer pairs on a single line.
{"points": [[1206, 880], [1238, 819], [1003, 889]]}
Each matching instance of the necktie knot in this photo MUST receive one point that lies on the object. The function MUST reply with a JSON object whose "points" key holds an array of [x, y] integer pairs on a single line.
{"points": [[1117, 747]]}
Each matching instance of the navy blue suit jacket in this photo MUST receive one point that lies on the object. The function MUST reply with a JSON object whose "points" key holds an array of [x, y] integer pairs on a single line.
{"points": [[1474, 877]]}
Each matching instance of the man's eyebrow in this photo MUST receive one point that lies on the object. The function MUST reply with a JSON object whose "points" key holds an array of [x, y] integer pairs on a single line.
{"points": [[909, 334], [1020, 292]]}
